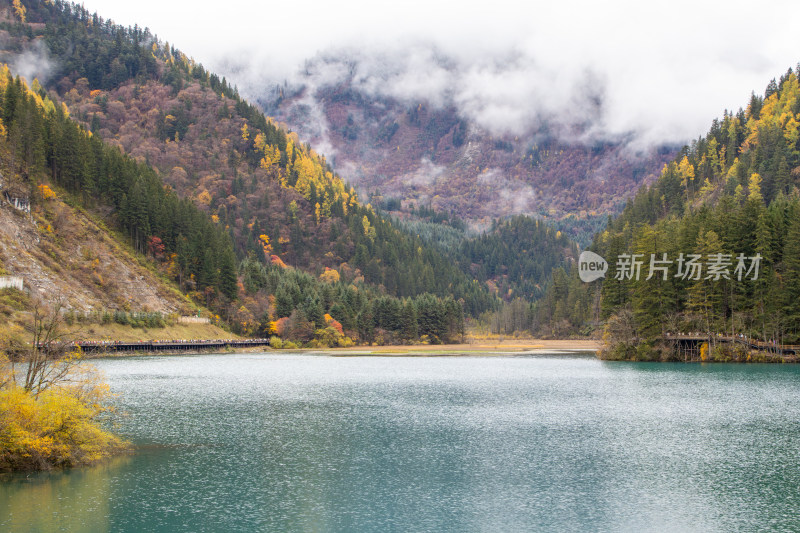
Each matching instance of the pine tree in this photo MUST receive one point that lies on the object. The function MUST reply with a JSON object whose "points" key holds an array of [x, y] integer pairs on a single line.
{"points": [[791, 276], [653, 298], [408, 322], [227, 283]]}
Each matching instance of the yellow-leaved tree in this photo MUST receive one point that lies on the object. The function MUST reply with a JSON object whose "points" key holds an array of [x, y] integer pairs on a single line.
{"points": [[19, 10], [265, 244], [329, 276], [686, 172], [51, 402], [754, 186], [369, 231]]}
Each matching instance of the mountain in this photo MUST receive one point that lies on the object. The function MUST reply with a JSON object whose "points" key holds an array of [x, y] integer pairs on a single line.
{"points": [[421, 152], [62, 188], [57, 243], [730, 200], [273, 194], [222, 199]]}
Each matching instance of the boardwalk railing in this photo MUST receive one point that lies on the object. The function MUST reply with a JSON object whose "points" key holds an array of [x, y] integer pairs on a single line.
{"points": [[169, 346], [745, 341]]}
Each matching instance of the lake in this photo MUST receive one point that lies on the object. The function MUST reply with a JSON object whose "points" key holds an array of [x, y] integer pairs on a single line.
{"points": [[298, 442]]}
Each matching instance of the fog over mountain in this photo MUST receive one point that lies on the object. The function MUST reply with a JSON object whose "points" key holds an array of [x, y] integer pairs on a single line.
{"points": [[651, 74]]}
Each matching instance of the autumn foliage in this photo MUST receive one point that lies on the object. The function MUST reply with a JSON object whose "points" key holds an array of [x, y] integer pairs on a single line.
{"points": [[51, 404], [733, 194], [209, 174], [46, 192], [58, 428]]}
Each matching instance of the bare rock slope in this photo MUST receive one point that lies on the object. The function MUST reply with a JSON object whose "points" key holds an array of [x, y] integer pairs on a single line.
{"points": [[62, 253]]}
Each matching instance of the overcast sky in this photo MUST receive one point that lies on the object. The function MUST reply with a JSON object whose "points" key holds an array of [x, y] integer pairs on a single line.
{"points": [[663, 69]]}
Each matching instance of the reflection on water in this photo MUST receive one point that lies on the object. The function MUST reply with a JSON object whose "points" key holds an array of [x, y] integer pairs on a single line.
{"points": [[276, 442], [37, 502]]}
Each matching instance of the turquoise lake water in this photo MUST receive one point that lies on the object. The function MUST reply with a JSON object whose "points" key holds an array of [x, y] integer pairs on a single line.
{"points": [[291, 442]]}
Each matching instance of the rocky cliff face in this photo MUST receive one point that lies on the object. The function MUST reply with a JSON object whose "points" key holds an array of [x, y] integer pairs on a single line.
{"points": [[62, 253]]}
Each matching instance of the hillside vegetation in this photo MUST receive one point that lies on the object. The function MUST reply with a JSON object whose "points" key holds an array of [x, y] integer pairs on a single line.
{"points": [[258, 182], [420, 153], [238, 185], [732, 192]]}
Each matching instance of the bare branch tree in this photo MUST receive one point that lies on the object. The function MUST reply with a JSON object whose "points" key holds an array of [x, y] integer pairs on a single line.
{"points": [[52, 355]]}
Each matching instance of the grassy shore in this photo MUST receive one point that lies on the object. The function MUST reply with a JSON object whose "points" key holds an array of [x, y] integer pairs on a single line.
{"points": [[474, 348]]}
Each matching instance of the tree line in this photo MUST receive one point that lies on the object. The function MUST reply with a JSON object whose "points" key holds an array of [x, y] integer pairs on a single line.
{"points": [[300, 307]]}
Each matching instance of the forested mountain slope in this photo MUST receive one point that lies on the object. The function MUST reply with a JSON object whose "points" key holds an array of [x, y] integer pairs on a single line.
{"points": [[102, 135], [71, 251], [730, 198], [61, 252], [274, 196], [517, 257], [42, 141]]}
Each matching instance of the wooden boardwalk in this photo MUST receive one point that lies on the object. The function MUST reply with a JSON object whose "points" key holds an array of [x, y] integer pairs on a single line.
{"points": [[692, 340], [755, 344], [169, 346]]}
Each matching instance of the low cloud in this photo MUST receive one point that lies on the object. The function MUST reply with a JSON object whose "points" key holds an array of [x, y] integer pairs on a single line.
{"points": [[425, 175], [513, 92], [505, 95], [647, 72], [33, 62], [650, 74], [515, 197]]}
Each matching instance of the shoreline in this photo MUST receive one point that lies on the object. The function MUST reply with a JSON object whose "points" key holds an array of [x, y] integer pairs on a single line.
{"points": [[486, 348], [527, 346]]}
